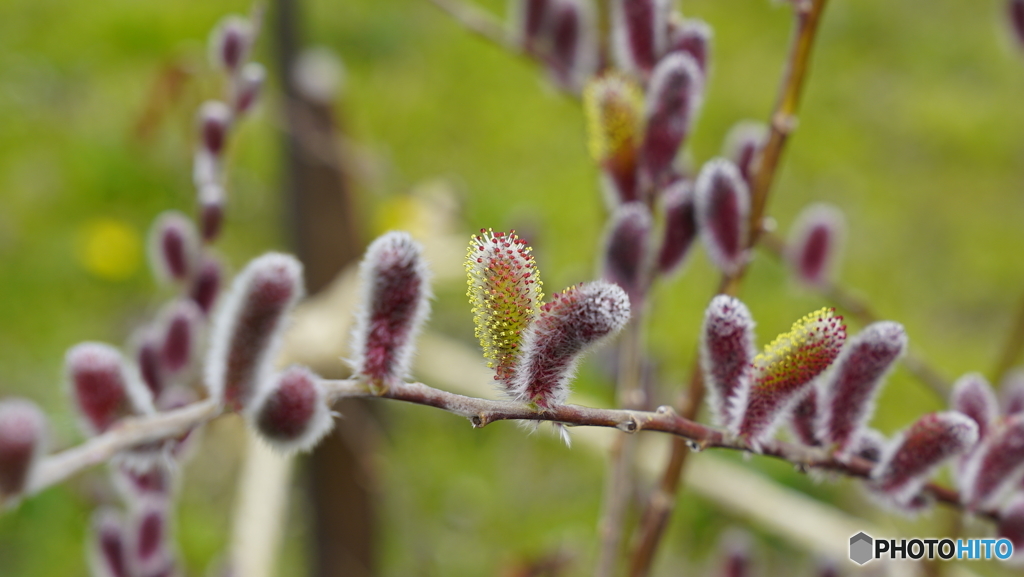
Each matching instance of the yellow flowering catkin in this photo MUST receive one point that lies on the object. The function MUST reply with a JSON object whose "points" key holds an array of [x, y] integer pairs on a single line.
{"points": [[613, 105], [505, 292]]}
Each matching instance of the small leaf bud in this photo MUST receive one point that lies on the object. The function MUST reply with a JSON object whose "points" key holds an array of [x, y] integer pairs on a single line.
{"points": [[173, 246], [293, 414]]}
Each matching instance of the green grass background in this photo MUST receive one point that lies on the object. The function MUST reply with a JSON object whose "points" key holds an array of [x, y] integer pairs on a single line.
{"points": [[912, 123]]}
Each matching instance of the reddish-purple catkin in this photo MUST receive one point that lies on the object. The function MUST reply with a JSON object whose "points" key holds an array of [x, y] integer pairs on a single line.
{"points": [[1016, 14], [182, 327], [147, 358], [211, 211], [247, 330], [691, 37], [148, 535], [575, 320], [230, 42], [293, 414], [101, 387], [214, 121], [995, 466], [1011, 392], [673, 98], [815, 243], [680, 226], [533, 18], [248, 87], [726, 353], [1011, 526], [627, 249], [850, 388], [173, 246], [974, 397], [22, 442], [723, 206], [783, 373], [109, 549], [918, 451], [869, 444], [395, 303], [803, 423], [206, 284], [573, 50], [735, 553], [743, 146], [639, 30]]}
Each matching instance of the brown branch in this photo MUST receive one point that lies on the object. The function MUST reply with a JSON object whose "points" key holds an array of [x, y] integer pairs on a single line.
{"points": [[783, 121], [481, 412]]}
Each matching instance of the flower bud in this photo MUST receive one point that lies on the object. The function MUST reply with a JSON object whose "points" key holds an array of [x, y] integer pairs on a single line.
{"points": [[100, 385], [996, 465], [108, 547], [147, 358], [918, 451], [395, 303], [680, 226], [173, 246], [1011, 392], [214, 124], [211, 211], [533, 17], [691, 37], [248, 87], [815, 243], [743, 146], [804, 421], [723, 207], [673, 98], [639, 29], [974, 397], [230, 42], [573, 50], [246, 332], [613, 105], [735, 553], [576, 320], [626, 250], [726, 353], [182, 327], [505, 292], [849, 390], [206, 284], [148, 534], [22, 443], [293, 414], [785, 370], [1016, 14], [1011, 526]]}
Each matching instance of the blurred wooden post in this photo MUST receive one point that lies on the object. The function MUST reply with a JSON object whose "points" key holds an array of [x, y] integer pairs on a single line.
{"points": [[322, 223]]}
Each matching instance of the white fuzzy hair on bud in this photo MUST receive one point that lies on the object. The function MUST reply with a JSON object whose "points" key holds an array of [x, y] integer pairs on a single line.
{"points": [[247, 330], [639, 33], [674, 96], [723, 207], [726, 353], [576, 320], [815, 244], [291, 413], [103, 388], [395, 303], [23, 440]]}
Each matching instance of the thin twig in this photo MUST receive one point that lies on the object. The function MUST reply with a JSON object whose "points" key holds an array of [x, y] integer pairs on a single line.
{"points": [[783, 121], [1011, 349], [480, 412], [861, 310], [479, 22], [619, 481]]}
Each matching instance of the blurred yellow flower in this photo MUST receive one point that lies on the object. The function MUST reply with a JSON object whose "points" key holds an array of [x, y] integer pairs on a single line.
{"points": [[109, 248]]}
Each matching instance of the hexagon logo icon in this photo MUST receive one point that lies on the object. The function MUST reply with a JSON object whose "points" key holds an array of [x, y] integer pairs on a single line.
{"points": [[861, 546]]}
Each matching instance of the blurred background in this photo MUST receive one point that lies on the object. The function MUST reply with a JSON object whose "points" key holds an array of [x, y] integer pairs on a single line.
{"points": [[912, 123]]}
